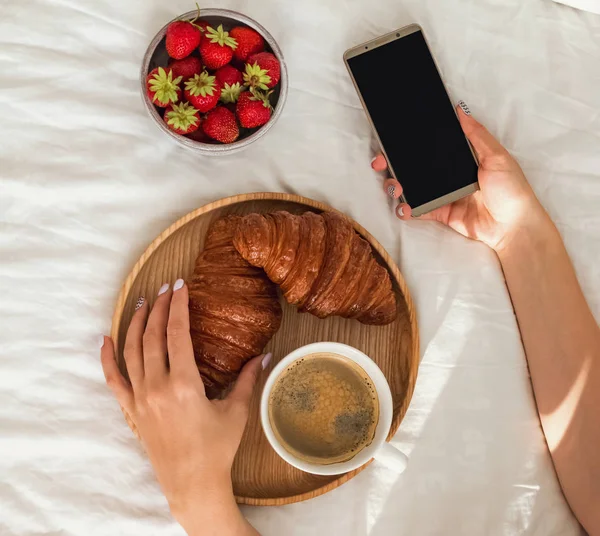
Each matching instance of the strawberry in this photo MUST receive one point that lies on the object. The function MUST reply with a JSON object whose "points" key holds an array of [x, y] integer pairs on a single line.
{"points": [[162, 88], [249, 42], [216, 47], [182, 118], [253, 109], [183, 37], [203, 91], [265, 61], [232, 80], [220, 125], [186, 68], [228, 75]]}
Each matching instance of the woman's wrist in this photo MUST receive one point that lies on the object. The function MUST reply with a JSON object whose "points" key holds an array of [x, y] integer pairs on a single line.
{"points": [[535, 234], [209, 511], [210, 489], [531, 224]]}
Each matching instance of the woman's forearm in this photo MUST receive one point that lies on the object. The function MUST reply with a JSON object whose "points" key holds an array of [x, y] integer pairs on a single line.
{"points": [[213, 514], [562, 343]]}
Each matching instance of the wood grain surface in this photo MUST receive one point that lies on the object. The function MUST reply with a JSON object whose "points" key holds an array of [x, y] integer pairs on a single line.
{"points": [[260, 477]]}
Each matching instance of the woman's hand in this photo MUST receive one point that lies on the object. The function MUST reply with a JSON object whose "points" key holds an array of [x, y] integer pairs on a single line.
{"points": [[190, 440], [504, 203]]}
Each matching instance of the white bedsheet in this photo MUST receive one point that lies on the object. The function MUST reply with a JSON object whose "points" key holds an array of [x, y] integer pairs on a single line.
{"points": [[86, 182]]}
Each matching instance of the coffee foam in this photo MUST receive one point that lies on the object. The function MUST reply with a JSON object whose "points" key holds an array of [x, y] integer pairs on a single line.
{"points": [[324, 409]]}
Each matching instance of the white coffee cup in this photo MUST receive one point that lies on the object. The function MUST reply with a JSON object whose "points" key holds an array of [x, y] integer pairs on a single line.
{"points": [[378, 449]]}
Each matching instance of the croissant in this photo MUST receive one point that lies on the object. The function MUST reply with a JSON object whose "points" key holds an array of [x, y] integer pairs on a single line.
{"points": [[320, 263], [234, 309]]}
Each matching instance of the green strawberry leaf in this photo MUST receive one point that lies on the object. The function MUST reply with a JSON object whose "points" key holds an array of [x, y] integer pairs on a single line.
{"points": [[182, 116], [231, 93], [201, 84], [262, 97], [221, 37], [256, 77], [164, 87]]}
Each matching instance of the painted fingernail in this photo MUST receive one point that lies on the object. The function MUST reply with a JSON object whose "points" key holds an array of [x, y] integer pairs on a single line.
{"points": [[266, 360], [391, 191], [178, 284], [101, 341], [400, 210], [140, 302], [464, 107], [163, 289]]}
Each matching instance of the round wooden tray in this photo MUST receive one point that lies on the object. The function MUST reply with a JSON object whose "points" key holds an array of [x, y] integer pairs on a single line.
{"points": [[260, 477]]}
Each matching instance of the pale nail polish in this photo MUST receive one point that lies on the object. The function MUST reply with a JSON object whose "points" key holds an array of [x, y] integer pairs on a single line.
{"points": [[464, 107], [391, 190], [266, 360], [400, 211], [140, 302], [101, 341], [178, 284], [163, 289]]}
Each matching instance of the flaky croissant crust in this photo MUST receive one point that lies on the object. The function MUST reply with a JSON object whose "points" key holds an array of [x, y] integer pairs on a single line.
{"points": [[234, 309], [320, 263]]}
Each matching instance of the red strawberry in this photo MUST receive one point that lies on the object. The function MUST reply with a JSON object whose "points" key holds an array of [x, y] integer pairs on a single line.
{"points": [[182, 118], [229, 75], [220, 125], [183, 37], [203, 91], [162, 88], [186, 68], [266, 62], [216, 47], [253, 109], [232, 80], [249, 42]]}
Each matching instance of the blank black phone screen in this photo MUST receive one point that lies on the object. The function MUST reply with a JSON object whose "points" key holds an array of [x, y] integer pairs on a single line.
{"points": [[414, 118]]}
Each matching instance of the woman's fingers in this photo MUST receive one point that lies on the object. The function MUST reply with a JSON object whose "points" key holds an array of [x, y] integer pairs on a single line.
{"points": [[179, 341], [378, 163], [155, 336], [244, 386], [392, 188], [132, 351], [114, 379], [483, 142], [403, 211]]}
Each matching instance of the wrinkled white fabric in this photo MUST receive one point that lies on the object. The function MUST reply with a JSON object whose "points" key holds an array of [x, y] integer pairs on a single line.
{"points": [[87, 182]]}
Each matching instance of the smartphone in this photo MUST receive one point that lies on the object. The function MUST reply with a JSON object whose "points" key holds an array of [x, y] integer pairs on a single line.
{"points": [[409, 108]]}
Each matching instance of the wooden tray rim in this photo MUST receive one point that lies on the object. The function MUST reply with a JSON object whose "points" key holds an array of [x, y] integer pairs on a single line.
{"points": [[293, 198]]}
